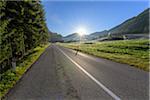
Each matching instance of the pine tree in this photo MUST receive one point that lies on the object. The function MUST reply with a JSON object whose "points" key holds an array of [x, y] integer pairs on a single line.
{"points": [[22, 27], [5, 45]]}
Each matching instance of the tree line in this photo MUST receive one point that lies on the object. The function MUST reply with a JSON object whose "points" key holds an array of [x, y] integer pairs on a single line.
{"points": [[22, 28]]}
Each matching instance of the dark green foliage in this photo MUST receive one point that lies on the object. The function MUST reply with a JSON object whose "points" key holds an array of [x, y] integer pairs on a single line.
{"points": [[22, 27], [55, 37]]}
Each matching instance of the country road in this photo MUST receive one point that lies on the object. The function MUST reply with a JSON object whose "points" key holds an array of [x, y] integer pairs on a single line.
{"points": [[59, 74]]}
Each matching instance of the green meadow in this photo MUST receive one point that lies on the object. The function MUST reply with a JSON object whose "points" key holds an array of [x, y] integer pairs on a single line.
{"points": [[132, 52]]}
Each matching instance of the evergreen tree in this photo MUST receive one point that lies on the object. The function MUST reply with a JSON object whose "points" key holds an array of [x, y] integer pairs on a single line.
{"points": [[22, 27]]}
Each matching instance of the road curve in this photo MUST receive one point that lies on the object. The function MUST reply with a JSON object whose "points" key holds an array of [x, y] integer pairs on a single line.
{"points": [[43, 82]]}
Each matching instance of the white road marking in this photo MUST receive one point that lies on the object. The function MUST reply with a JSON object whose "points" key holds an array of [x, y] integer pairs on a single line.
{"points": [[94, 79]]}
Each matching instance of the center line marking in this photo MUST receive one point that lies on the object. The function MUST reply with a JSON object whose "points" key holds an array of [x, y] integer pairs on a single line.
{"points": [[94, 79]]}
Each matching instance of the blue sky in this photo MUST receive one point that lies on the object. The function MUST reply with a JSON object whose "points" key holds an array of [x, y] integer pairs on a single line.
{"points": [[66, 17]]}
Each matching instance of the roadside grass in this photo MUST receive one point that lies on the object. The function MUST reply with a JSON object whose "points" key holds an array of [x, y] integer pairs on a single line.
{"points": [[10, 77], [132, 52]]}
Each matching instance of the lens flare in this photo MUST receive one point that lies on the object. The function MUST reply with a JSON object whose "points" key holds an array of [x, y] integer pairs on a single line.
{"points": [[81, 31]]}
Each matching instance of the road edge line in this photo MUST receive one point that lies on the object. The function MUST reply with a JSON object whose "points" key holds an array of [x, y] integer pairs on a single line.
{"points": [[94, 79]]}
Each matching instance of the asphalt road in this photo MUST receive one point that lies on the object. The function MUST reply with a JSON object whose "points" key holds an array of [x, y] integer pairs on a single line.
{"points": [[59, 74]]}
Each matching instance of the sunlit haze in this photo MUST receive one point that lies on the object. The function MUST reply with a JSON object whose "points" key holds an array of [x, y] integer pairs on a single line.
{"points": [[64, 17], [81, 31]]}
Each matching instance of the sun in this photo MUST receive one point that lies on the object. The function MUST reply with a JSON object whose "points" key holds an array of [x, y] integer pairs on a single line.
{"points": [[81, 31]]}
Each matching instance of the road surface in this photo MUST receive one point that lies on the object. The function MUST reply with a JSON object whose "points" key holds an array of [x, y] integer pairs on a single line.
{"points": [[59, 74]]}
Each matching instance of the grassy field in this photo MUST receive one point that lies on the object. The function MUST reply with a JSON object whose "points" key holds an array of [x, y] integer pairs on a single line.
{"points": [[132, 52], [10, 77]]}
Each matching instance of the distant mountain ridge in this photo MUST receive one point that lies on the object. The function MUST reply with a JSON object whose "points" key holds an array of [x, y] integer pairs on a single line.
{"points": [[97, 35], [135, 25], [71, 37]]}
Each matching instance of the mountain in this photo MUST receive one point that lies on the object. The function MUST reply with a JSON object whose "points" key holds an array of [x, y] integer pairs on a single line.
{"points": [[97, 35], [75, 37], [55, 37], [71, 37], [135, 27]]}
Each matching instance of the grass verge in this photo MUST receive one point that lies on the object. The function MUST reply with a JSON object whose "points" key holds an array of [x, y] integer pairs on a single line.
{"points": [[10, 77], [132, 52]]}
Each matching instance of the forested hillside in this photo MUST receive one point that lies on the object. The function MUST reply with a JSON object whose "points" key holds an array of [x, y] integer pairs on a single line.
{"points": [[135, 25], [22, 28], [55, 37]]}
